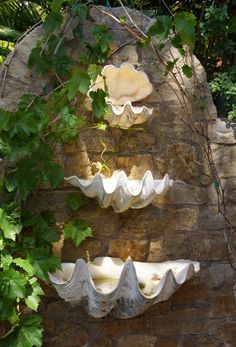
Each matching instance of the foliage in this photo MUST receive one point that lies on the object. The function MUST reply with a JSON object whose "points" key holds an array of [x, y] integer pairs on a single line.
{"points": [[16, 17], [224, 86], [77, 230], [27, 141]]}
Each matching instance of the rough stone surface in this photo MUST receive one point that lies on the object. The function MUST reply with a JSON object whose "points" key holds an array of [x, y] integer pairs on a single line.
{"points": [[183, 223]]}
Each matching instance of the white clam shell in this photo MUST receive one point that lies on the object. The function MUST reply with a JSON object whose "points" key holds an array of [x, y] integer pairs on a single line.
{"points": [[120, 192], [107, 285], [127, 115], [124, 84]]}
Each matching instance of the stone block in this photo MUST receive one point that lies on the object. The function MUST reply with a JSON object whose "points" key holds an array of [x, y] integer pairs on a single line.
{"points": [[182, 193], [190, 321], [104, 222], [93, 140], [77, 164], [136, 249], [223, 132], [137, 141], [67, 335], [210, 219], [208, 245], [176, 246], [222, 305], [224, 157], [137, 340], [93, 247], [156, 250], [191, 295], [181, 161], [219, 275]]}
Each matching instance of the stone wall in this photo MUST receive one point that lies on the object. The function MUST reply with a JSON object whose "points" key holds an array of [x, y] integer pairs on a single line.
{"points": [[184, 223]]}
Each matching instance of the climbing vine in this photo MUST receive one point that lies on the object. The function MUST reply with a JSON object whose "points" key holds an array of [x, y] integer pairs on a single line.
{"points": [[28, 138]]}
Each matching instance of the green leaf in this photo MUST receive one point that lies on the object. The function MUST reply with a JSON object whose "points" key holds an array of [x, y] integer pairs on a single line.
{"points": [[12, 284], [161, 28], [39, 61], [94, 70], [27, 333], [232, 24], [25, 265], [177, 43], [99, 103], [52, 22], [33, 300], [81, 11], [77, 230], [102, 36], [170, 65], [187, 70], [67, 128], [185, 26], [123, 20], [43, 261], [56, 5], [6, 261], [80, 81], [4, 119], [53, 174], [75, 201], [8, 311], [10, 226]]}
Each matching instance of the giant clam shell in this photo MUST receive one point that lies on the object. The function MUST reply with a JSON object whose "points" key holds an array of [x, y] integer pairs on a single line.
{"points": [[124, 84], [127, 115], [125, 290], [120, 192]]}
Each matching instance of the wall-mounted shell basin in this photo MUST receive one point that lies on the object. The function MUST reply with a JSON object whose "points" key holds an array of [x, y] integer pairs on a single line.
{"points": [[125, 85], [127, 115], [125, 290], [120, 192]]}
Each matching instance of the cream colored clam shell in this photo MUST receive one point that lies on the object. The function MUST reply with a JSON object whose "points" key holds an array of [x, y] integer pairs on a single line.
{"points": [[124, 84], [127, 115], [120, 192], [107, 285]]}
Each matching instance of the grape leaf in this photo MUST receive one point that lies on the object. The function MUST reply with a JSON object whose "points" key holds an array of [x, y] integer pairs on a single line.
{"points": [[12, 284], [161, 28], [81, 10], [6, 261], [99, 103], [75, 201], [185, 26], [27, 333], [33, 300], [94, 70], [170, 65], [80, 81], [67, 129], [43, 262], [77, 230], [4, 119], [25, 265], [9, 226], [187, 70], [39, 61], [7, 310], [52, 22]]}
